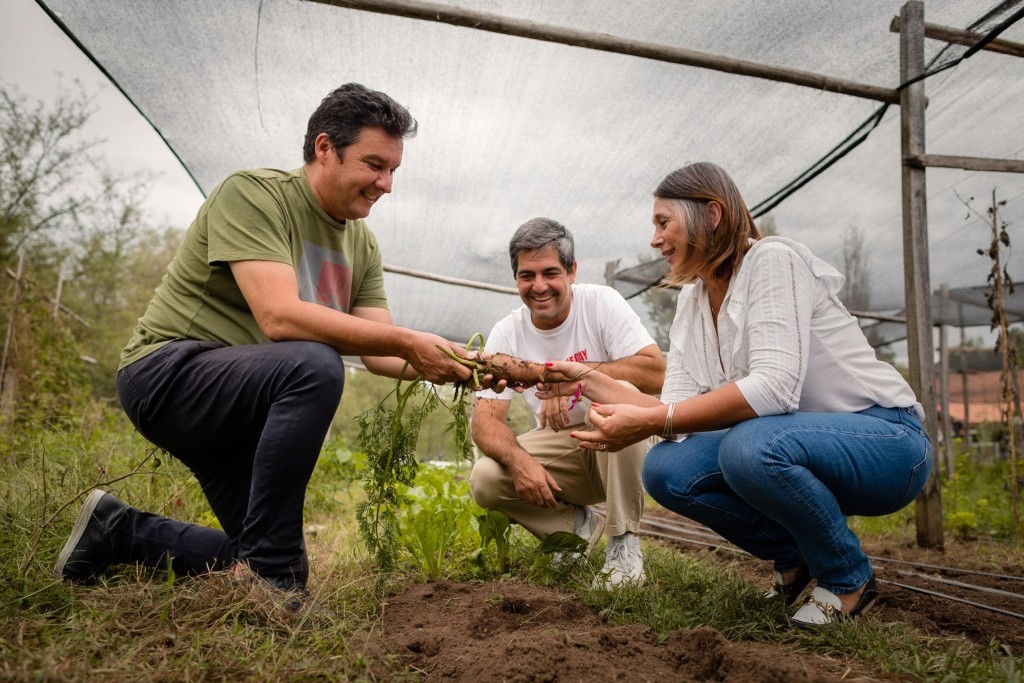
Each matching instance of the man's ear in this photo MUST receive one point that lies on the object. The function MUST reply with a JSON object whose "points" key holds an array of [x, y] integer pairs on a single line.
{"points": [[572, 273], [323, 146]]}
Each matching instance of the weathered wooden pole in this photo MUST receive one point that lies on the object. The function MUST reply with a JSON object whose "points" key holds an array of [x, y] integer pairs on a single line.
{"points": [[947, 421], [966, 429], [9, 377], [60, 290], [917, 283]]}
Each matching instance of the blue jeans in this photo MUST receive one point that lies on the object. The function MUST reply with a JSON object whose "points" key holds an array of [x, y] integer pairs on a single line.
{"points": [[249, 422], [780, 487]]}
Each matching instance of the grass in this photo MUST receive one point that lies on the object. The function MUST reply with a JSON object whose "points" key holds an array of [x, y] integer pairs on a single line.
{"points": [[137, 624]]}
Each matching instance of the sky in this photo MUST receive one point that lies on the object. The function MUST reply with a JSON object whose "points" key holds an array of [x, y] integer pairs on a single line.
{"points": [[38, 60]]}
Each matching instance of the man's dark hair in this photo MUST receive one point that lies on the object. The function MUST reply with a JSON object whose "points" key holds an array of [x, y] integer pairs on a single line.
{"points": [[347, 110], [538, 233]]}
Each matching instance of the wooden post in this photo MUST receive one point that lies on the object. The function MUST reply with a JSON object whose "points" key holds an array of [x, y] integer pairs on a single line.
{"points": [[947, 421], [920, 349], [8, 377], [60, 289], [966, 429]]}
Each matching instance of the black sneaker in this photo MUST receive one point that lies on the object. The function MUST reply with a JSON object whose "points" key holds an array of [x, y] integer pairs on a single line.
{"points": [[85, 555], [285, 591], [291, 594]]}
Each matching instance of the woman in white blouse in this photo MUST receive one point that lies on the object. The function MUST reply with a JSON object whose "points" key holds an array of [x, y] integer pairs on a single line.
{"points": [[779, 421]]}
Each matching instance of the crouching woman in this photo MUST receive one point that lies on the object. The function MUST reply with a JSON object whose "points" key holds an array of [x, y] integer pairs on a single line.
{"points": [[779, 421]]}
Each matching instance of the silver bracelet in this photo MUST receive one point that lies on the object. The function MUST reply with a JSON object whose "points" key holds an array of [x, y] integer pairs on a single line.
{"points": [[668, 430]]}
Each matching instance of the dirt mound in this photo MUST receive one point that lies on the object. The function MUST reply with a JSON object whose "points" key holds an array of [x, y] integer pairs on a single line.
{"points": [[529, 634]]}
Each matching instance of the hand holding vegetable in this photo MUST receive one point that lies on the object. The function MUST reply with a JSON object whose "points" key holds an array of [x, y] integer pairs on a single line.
{"points": [[620, 425], [435, 359]]}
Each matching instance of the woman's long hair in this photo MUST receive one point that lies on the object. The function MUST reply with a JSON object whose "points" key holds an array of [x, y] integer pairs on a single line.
{"points": [[689, 190]]}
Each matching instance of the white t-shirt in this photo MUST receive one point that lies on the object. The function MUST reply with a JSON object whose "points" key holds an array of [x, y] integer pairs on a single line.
{"points": [[784, 338], [601, 326]]}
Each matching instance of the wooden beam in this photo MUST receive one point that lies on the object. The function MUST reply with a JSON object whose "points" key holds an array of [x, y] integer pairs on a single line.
{"points": [[965, 163], [881, 317], [957, 36], [485, 21], [449, 280], [917, 283]]}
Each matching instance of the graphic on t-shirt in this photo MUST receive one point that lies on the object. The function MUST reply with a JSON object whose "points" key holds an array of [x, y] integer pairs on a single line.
{"points": [[578, 357], [325, 277]]}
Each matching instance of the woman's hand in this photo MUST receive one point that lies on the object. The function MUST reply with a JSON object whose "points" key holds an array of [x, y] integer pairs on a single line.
{"points": [[563, 371], [562, 379], [619, 425]]}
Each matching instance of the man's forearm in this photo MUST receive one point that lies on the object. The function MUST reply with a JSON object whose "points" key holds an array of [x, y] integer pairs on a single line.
{"points": [[497, 440]]}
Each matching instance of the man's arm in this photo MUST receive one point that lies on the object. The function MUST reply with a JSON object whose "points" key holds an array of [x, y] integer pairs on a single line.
{"points": [[493, 436], [645, 369], [271, 290], [386, 366]]}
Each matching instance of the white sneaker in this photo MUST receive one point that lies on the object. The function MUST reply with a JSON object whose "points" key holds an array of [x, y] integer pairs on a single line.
{"points": [[590, 530], [624, 563]]}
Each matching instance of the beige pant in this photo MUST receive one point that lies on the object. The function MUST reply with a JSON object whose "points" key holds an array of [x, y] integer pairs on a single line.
{"points": [[585, 476]]}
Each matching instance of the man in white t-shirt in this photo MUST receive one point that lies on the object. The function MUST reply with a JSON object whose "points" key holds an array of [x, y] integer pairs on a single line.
{"points": [[542, 479]]}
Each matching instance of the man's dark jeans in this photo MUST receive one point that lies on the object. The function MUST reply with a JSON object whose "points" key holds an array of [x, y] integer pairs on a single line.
{"points": [[249, 421]]}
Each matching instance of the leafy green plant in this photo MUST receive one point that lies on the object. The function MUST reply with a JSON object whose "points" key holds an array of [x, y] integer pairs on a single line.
{"points": [[388, 436], [556, 548], [495, 527], [434, 522], [963, 524]]}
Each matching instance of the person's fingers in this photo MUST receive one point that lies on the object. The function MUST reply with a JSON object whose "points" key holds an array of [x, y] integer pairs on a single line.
{"points": [[549, 497], [589, 436]]}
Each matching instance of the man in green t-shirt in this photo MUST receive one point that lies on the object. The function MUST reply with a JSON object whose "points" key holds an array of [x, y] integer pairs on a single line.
{"points": [[235, 367]]}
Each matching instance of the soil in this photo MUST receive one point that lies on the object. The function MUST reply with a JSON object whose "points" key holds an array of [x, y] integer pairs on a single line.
{"points": [[524, 633]]}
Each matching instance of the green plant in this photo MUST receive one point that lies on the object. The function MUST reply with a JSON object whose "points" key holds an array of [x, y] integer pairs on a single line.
{"points": [[388, 436], [435, 520], [495, 527], [963, 524]]}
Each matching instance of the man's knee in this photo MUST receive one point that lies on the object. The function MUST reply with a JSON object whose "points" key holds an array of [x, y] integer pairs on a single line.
{"points": [[322, 363], [484, 482]]}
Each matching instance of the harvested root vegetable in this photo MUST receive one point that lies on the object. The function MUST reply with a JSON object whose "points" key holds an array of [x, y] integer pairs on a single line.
{"points": [[517, 372]]}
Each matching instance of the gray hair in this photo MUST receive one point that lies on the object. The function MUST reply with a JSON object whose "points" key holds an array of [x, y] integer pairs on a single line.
{"points": [[538, 233]]}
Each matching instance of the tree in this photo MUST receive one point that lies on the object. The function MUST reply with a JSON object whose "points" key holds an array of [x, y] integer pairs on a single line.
{"points": [[42, 158], [66, 214], [117, 263]]}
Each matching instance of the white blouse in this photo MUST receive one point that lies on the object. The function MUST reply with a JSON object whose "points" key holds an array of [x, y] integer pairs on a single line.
{"points": [[784, 338]]}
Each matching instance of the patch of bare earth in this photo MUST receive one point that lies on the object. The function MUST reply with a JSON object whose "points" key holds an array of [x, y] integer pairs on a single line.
{"points": [[522, 633]]}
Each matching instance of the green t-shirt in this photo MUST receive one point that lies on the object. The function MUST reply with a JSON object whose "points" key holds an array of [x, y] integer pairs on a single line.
{"points": [[265, 215]]}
